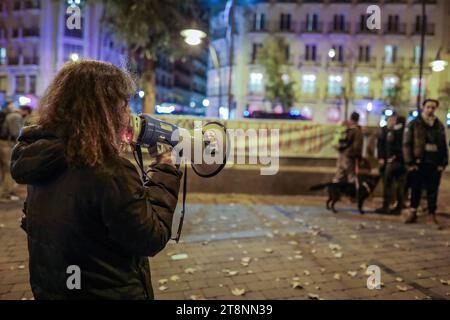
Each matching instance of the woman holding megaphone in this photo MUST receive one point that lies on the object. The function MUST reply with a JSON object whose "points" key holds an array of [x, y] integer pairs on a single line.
{"points": [[90, 221]]}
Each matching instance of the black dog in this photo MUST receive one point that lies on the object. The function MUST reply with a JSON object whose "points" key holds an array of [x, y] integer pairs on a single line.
{"points": [[367, 183]]}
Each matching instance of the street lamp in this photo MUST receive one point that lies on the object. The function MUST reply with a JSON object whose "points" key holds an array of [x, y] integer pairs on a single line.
{"points": [[193, 37], [438, 65], [332, 53]]}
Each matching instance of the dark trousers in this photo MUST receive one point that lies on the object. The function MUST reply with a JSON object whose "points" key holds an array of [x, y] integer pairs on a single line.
{"points": [[427, 177], [394, 179]]}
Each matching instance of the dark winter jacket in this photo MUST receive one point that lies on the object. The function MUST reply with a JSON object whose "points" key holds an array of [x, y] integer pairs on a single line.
{"points": [[354, 137], [390, 143], [415, 140], [100, 219]]}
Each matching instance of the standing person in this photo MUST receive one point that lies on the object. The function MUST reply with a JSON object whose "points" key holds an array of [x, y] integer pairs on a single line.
{"points": [[350, 151], [426, 154], [87, 207], [390, 155], [27, 115], [11, 124]]}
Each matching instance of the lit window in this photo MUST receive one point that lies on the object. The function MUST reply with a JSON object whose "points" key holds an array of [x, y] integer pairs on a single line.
{"points": [[362, 86], [256, 82], [334, 85], [2, 56], [390, 54], [415, 87], [389, 84], [308, 84]]}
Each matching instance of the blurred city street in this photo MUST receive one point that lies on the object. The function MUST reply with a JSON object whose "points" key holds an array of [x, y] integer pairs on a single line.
{"points": [[276, 247]]}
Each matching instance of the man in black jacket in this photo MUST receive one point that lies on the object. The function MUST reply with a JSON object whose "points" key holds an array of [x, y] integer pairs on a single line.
{"points": [[426, 154], [393, 169]]}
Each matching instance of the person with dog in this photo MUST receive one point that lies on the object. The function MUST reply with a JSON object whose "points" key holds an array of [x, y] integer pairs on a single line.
{"points": [[350, 151], [426, 155], [392, 166]]}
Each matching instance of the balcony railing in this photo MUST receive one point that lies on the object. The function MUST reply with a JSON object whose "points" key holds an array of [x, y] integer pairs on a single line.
{"points": [[311, 28], [339, 28], [362, 29], [13, 61], [429, 29], [370, 62], [310, 62], [272, 26], [30, 32], [31, 60], [399, 28]]}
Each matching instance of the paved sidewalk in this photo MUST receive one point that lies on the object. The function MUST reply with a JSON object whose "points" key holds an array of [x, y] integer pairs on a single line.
{"points": [[263, 247]]}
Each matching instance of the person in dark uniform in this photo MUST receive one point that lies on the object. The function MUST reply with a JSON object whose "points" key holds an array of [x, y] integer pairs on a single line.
{"points": [[426, 154], [393, 169]]}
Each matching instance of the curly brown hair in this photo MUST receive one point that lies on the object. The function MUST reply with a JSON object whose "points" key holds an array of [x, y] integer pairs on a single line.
{"points": [[87, 102]]}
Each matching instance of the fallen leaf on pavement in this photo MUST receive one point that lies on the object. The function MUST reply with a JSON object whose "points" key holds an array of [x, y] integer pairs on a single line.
{"points": [[306, 273], [163, 281], [268, 250], [353, 236], [174, 278], [238, 292], [313, 296], [398, 279], [337, 276], [293, 243], [402, 288], [189, 270], [196, 297], [246, 259], [338, 255], [322, 270], [163, 288], [445, 282], [296, 285], [179, 256], [352, 273]]}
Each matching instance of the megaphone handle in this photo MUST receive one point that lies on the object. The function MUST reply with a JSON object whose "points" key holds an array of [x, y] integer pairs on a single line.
{"points": [[140, 162], [183, 209]]}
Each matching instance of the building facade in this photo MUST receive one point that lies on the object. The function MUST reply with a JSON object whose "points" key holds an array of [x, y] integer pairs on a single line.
{"points": [[35, 42], [336, 61]]}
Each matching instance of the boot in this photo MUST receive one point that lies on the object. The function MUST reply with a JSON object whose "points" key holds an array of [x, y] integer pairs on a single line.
{"points": [[434, 222], [411, 217]]}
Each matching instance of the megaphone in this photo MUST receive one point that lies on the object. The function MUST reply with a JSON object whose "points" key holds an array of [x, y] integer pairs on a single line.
{"points": [[147, 131]]}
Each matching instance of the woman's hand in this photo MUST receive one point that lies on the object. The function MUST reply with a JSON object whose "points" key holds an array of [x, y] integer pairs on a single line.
{"points": [[166, 158]]}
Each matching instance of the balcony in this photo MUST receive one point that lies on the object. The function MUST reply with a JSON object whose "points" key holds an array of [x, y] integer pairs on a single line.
{"points": [[31, 4], [304, 62], [272, 26], [30, 60], [396, 63], [429, 29], [395, 29], [311, 28], [30, 32], [362, 29], [13, 61], [368, 63], [339, 28], [395, 1]]}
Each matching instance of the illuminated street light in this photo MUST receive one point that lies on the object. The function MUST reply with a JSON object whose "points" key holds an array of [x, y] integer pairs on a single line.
{"points": [[141, 94], [205, 103], [369, 107], [438, 65], [23, 101], [332, 53], [193, 37], [74, 57]]}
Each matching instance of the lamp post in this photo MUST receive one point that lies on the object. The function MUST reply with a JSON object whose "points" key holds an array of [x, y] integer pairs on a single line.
{"points": [[422, 51], [194, 37], [438, 65]]}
